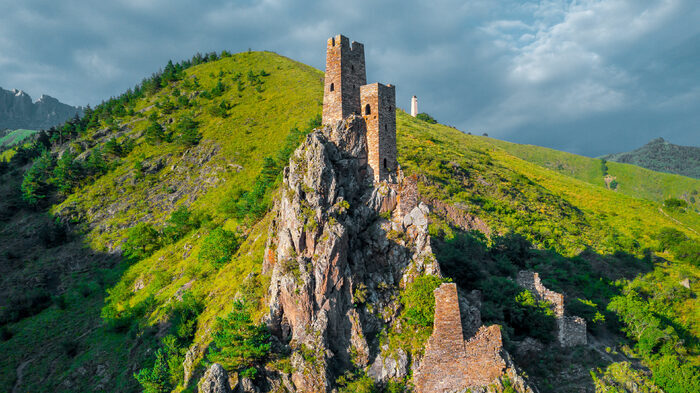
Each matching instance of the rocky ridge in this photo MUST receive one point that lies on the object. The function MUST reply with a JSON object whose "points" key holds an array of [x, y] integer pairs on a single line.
{"points": [[18, 111], [340, 250]]}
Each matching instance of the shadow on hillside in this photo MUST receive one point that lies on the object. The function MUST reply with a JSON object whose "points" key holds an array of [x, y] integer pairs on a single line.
{"points": [[52, 291], [472, 263]]}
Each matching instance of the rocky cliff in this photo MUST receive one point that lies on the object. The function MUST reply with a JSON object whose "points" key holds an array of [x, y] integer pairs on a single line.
{"points": [[341, 250], [18, 111]]}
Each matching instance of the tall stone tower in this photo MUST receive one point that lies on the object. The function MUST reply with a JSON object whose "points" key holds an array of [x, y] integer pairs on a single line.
{"points": [[346, 93], [414, 106], [378, 109], [345, 73]]}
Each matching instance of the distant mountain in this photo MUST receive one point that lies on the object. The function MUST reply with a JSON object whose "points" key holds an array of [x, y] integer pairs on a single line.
{"points": [[659, 155], [18, 111]]}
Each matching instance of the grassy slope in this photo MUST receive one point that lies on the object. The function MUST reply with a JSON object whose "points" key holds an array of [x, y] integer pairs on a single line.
{"points": [[256, 126], [632, 180], [554, 211], [15, 137]]}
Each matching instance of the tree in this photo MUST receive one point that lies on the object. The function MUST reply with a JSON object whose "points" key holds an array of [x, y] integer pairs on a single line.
{"points": [[218, 247], [187, 131], [426, 118], [35, 185], [157, 378], [142, 241], [240, 344], [154, 132], [66, 173]]}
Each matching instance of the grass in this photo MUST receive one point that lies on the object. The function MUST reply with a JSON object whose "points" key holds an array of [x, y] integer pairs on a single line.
{"points": [[15, 137]]}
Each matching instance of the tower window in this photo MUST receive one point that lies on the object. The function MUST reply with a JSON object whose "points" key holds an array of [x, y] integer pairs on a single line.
{"points": [[368, 110], [333, 41], [332, 87], [352, 67], [385, 128], [385, 164]]}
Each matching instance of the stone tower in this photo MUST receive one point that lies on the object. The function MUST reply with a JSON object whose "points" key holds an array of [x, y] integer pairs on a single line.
{"points": [[377, 105], [345, 73], [414, 106], [346, 93]]}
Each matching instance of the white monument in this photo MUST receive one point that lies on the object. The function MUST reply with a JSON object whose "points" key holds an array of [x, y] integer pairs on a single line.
{"points": [[414, 106]]}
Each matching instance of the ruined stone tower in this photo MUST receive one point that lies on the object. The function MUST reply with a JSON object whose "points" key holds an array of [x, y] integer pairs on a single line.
{"points": [[346, 93], [414, 106], [345, 73]]}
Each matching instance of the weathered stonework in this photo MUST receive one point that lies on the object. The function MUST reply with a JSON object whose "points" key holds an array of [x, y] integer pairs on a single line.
{"points": [[345, 73], [347, 93], [571, 331], [377, 103], [451, 363]]}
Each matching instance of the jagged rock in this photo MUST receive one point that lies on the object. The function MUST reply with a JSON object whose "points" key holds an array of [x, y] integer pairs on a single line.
{"points": [[188, 363], [18, 111], [246, 385], [388, 365], [331, 252], [215, 380]]}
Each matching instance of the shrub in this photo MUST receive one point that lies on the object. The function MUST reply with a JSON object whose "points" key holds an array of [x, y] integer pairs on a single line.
{"points": [[419, 302], [239, 344], [142, 241], [157, 378], [218, 247], [187, 131], [675, 204], [426, 118]]}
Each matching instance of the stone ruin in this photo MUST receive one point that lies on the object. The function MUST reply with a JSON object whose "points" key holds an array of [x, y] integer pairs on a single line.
{"points": [[451, 363], [571, 330], [347, 93]]}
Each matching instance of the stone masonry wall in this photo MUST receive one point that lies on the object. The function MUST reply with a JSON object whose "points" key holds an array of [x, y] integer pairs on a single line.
{"points": [[450, 363], [571, 331], [345, 73], [377, 103]]}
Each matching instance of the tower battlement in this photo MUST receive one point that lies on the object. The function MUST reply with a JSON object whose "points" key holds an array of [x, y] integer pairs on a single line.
{"points": [[346, 92]]}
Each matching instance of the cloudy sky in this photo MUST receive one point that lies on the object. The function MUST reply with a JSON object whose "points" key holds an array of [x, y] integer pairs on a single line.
{"points": [[587, 76]]}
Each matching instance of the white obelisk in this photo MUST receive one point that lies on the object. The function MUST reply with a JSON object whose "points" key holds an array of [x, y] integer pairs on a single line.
{"points": [[414, 106]]}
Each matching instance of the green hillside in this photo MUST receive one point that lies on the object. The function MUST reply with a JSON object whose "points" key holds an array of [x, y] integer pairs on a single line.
{"points": [[659, 155], [155, 219], [15, 137], [629, 179]]}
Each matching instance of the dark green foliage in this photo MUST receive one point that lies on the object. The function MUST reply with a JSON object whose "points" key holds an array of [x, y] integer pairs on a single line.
{"points": [[660, 155], [679, 244], [240, 344], [418, 301], [142, 240], [24, 304], [180, 223], [157, 378], [154, 131], [675, 204], [70, 347], [36, 183], [67, 173], [53, 234], [218, 247], [604, 167], [357, 382], [220, 110], [187, 131], [426, 118]]}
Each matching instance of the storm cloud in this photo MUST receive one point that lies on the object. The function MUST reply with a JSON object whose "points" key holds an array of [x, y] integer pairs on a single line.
{"points": [[589, 77]]}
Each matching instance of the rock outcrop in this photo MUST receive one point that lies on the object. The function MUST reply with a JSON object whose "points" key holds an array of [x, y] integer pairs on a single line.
{"points": [[333, 250], [18, 111], [215, 380], [571, 331]]}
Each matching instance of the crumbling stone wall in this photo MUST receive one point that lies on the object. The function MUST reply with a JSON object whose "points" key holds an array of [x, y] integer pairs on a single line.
{"points": [[571, 331], [452, 364]]}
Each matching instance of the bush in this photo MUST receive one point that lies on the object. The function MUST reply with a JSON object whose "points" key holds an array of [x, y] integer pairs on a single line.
{"points": [[142, 241], [239, 344], [218, 247], [426, 118], [157, 378], [675, 204], [187, 131], [419, 302]]}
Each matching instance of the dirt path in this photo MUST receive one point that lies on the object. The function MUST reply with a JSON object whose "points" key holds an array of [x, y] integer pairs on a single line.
{"points": [[678, 222], [20, 375]]}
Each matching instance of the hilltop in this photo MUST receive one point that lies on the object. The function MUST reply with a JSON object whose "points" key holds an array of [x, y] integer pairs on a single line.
{"points": [[660, 155], [126, 247]]}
